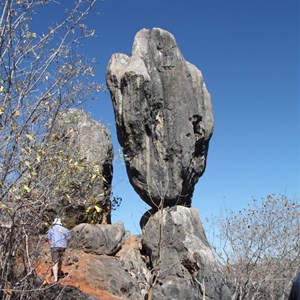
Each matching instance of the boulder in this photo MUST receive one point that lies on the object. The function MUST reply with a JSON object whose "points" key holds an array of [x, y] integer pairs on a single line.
{"points": [[59, 292], [181, 259], [164, 118], [98, 239], [88, 146]]}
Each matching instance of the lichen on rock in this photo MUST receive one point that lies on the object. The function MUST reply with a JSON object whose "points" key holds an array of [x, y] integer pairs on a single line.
{"points": [[164, 118]]}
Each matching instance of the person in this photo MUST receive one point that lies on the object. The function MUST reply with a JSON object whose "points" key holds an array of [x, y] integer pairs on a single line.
{"points": [[58, 237], [295, 290]]}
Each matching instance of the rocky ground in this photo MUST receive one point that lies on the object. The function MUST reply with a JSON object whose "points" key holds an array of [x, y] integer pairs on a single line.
{"points": [[85, 271], [170, 260]]}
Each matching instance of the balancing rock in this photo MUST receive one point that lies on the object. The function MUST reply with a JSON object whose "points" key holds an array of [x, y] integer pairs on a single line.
{"points": [[164, 118]]}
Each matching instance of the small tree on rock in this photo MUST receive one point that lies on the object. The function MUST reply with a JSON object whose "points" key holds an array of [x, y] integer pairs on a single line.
{"points": [[41, 74]]}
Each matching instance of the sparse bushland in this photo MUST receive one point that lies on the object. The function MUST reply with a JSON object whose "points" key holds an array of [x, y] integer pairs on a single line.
{"points": [[42, 73], [259, 247]]}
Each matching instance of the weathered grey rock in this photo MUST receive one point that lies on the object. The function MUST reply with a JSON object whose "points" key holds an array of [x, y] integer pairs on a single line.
{"points": [[98, 239], [135, 263], [108, 273], [59, 292], [164, 118], [179, 253], [88, 142]]}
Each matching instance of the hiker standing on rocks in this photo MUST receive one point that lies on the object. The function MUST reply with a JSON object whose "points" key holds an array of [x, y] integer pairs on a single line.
{"points": [[58, 237]]}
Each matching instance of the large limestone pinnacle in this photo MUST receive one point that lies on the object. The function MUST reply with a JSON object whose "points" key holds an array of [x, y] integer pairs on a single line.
{"points": [[164, 118], [87, 142]]}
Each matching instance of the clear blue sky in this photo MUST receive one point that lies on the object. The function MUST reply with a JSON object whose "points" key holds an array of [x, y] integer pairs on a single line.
{"points": [[248, 52]]}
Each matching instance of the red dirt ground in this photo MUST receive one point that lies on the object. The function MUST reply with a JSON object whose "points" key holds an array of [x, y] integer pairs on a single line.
{"points": [[77, 273]]}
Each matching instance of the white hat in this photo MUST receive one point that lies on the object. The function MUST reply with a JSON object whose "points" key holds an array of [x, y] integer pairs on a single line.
{"points": [[57, 221]]}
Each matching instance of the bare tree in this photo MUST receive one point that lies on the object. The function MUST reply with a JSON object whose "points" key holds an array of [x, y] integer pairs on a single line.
{"points": [[259, 247], [40, 75]]}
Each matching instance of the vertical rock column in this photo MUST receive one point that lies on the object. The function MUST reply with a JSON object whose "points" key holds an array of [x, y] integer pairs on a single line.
{"points": [[164, 118], [182, 262], [90, 141]]}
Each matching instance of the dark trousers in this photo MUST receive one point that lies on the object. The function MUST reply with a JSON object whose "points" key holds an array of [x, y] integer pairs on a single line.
{"points": [[295, 290]]}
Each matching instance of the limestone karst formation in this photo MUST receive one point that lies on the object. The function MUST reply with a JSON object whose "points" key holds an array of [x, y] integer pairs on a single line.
{"points": [[164, 118], [107, 264], [164, 123], [88, 142]]}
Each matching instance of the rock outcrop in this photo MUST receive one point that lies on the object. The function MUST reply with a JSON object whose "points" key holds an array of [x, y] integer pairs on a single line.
{"points": [[171, 260], [182, 261], [135, 263], [59, 292], [89, 147], [164, 123], [164, 118], [98, 239]]}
